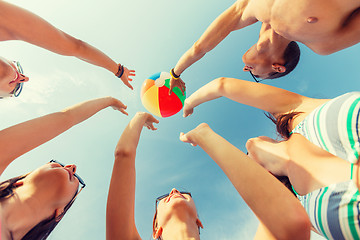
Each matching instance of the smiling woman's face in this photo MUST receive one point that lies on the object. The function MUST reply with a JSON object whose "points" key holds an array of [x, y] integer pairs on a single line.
{"points": [[56, 182], [175, 204]]}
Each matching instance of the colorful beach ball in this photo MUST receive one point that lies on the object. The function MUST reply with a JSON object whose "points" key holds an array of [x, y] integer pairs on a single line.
{"points": [[155, 95]]}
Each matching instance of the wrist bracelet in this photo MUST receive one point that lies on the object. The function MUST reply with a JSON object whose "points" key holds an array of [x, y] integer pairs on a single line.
{"points": [[120, 71], [172, 73]]}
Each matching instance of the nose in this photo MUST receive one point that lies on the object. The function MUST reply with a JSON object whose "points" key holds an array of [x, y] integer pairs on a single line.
{"points": [[71, 167], [173, 191], [22, 78]]}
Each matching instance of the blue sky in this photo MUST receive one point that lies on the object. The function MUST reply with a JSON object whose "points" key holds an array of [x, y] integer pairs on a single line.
{"points": [[150, 36]]}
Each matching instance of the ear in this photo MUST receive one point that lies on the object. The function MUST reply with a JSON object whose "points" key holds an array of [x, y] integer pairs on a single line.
{"points": [[58, 213], [278, 68], [157, 233], [199, 223]]}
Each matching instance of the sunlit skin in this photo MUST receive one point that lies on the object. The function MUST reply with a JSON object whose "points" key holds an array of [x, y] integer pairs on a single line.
{"points": [[54, 180], [42, 194], [280, 213], [176, 210], [324, 26], [14, 25], [309, 167], [261, 63], [175, 203], [9, 77]]}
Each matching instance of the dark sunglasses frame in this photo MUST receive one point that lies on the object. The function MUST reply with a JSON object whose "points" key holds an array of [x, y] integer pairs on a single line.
{"points": [[18, 88], [81, 181], [256, 80]]}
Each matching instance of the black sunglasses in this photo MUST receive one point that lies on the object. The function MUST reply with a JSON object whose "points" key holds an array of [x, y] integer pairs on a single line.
{"points": [[158, 199], [75, 175], [256, 80], [18, 88]]}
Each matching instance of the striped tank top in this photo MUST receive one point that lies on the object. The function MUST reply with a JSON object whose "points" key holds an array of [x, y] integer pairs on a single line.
{"points": [[334, 126]]}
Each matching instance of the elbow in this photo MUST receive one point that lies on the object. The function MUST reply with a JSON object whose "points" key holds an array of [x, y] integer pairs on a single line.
{"points": [[68, 117], [72, 46], [220, 85], [123, 152], [198, 49], [299, 227]]}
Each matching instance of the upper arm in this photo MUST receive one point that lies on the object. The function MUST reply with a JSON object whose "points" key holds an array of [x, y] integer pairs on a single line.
{"points": [[120, 219], [268, 98], [15, 22], [23, 137]]}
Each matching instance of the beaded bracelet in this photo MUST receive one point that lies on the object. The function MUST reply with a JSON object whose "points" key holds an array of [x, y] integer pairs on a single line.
{"points": [[120, 71], [172, 73]]}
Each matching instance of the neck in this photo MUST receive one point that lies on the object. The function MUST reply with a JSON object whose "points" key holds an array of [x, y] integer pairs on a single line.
{"points": [[177, 229], [272, 42], [22, 211]]}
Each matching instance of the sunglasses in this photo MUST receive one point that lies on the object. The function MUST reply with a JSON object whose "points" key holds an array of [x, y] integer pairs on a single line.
{"points": [[166, 195], [18, 88], [256, 80], [75, 175]]}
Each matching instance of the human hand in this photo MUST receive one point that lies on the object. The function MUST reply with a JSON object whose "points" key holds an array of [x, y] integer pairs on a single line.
{"points": [[116, 104], [148, 119], [192, 136], [177, 83], [188, 109], [126, 76]]}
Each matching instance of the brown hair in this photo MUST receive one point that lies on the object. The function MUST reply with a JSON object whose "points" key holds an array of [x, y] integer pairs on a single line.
{"points": [[155, 224], [291, 57], [43, 229], [282, 122]]}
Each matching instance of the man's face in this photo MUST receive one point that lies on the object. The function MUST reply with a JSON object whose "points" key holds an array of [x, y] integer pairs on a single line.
{"points": [[258, 63]]}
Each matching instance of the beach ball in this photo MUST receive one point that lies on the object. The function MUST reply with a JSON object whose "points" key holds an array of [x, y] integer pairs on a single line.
{"points": [[155, 95]]}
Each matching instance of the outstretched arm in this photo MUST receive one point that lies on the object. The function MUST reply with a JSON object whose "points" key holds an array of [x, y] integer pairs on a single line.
{"points": [[238, 16], [272, 203], [262, 233], [23, 137], [14, 25], [268, 98], [120, 221]]}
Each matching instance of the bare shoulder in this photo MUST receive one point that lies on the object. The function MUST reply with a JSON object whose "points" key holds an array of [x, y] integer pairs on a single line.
{"points": [[309, 104]]}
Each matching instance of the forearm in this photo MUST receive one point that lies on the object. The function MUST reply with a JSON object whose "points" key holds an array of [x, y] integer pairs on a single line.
{"points": [[84, 110], [217, 31], [273, 204], [129, 140], [120, 220], [30, 134], [14, 21], [92, 55], [261, 96], [204, 94], [191, 56]]}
